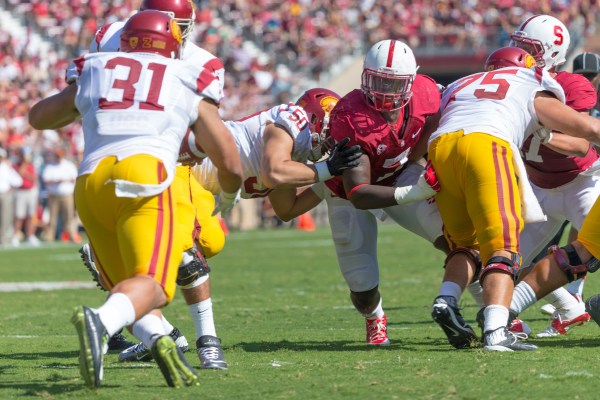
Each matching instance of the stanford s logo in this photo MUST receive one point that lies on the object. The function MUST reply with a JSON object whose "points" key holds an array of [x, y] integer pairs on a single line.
{"points": [[381, 148]]}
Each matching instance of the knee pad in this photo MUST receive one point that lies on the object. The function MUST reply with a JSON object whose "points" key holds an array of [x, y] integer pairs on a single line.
{"points": [[572, 265], [509, 266], [471, 254], [192, 270]]}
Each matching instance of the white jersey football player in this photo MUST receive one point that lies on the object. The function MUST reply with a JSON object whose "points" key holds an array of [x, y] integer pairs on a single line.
{"points": [[563, 171], [476, 143], [195, 290], [275, 145], [136, 107]]}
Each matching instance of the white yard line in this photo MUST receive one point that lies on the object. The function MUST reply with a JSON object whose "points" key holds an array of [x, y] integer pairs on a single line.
{"points": [[6, 287]]}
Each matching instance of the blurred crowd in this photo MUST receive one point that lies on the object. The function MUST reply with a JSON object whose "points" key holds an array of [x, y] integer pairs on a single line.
{"points": [[272, 50]]}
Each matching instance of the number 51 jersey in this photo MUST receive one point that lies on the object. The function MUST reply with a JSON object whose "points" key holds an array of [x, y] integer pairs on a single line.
{"points": [[137, 103], [499, 103]]}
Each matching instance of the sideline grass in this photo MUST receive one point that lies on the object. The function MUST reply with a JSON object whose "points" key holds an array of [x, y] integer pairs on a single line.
{"points": [[289, 331]]}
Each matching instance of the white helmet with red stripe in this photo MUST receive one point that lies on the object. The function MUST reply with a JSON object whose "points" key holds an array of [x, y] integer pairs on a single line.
{"points": [[545, 38], [389, 70]]}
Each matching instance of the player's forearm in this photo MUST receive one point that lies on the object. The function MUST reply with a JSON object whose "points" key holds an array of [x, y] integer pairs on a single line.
{"points": [[368, 197], [55, 111], [568, 145], [289, 205]]}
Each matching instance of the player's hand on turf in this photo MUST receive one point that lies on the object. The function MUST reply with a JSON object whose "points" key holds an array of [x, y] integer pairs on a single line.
{"points": [[225, 202], [343, 157]]}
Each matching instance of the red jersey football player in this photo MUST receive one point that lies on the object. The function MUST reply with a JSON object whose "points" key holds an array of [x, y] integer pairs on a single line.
{"points": [[390, 118], [565, 185]]}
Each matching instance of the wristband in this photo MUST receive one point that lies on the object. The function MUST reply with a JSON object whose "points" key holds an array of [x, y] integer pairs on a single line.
{"points": [[323, 173]]}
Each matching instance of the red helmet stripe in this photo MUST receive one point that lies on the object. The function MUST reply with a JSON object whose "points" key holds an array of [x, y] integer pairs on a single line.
{"points": [[390, 57], [528, 20]]}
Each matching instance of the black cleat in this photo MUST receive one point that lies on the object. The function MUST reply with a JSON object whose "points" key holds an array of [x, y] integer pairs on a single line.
{"points": [[85, 252], [139, 352], [446, 314], [210, 352], [118, 342]]}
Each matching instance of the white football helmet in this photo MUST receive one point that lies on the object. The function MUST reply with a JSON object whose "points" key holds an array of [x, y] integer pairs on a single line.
{"points": [[389, 70], [545, 38]]}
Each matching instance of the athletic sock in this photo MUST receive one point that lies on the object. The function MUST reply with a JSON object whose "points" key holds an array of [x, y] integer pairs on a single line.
{"points": [[376, 313], [148, 329], [202, 315], [523, 297], [116, 313]]}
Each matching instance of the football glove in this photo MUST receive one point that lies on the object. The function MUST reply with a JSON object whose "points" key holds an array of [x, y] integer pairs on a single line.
{"points": [[342, 157], [426, 187], [225, 202]]}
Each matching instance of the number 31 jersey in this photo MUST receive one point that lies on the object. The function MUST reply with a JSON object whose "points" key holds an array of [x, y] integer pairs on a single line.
{"points": [[499, 103], [137, 103]]}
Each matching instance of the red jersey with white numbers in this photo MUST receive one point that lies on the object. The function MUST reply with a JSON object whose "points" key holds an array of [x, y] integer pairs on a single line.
{"points": [[547, 168], [387, 145]]}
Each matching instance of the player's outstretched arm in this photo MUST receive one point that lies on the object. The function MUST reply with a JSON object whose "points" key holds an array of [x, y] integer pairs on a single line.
{"points": [[218, 143], [559, 117], [55, 111]]}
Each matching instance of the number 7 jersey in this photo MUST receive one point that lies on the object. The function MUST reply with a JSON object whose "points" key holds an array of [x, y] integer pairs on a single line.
{"points": [[137, 103], [499, 103]]}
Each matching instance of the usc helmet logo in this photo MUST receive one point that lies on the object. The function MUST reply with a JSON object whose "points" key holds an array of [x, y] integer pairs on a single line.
{"points": [[327, 103], [529, 61], [175, 30]]}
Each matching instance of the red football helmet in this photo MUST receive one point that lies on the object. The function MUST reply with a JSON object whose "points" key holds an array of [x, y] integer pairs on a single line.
{"points": [[151, 32], [182, 11], [509, 57], [318, 104]]}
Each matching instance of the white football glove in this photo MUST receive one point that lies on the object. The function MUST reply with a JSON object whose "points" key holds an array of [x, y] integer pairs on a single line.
{"points": [[225, 202]]}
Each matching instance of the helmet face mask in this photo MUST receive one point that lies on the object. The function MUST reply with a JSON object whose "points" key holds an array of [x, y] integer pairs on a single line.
{"points": [[182, 11], [386, 91], [389, 70], [318, 104], [545, 38]]}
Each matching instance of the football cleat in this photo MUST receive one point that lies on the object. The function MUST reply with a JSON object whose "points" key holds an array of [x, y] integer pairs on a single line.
{"points": [[446, 314], [592, 306], [560, 326], [119, 342], [210, 352], [520, 327], [92, 344], [377, 331], [139, 352], [172, 363], [504, 340], [85, 253]]}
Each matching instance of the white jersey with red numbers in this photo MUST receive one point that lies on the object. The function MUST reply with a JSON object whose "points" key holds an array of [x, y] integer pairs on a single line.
{"points": [[159, 94], [507, 92], [248, 135], [108, 39]]}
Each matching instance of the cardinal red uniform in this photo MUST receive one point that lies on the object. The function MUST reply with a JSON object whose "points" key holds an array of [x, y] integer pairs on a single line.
{"points": [[388, 147], [565, 185]]}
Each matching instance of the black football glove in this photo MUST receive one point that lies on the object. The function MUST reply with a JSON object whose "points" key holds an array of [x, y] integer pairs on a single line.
{"points": [[342, 157]]}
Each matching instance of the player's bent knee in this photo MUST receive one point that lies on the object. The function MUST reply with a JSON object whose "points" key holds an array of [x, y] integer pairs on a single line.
{"points": [[472, 255], [505, 265], [570, 263]]}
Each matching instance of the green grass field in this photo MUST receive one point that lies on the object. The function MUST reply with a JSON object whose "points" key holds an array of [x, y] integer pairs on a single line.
{"points": [[289, 331]]}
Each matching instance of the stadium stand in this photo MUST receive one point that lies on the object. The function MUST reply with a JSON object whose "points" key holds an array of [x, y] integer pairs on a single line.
{"points": [[272, 50]]}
